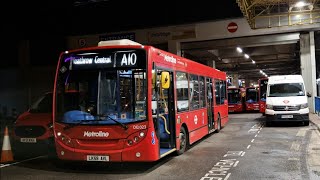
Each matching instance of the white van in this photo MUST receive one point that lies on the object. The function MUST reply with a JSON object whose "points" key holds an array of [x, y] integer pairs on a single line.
{"points": [[287, 99]]}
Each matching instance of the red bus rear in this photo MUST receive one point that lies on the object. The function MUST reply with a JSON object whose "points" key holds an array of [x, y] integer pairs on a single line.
{"points": [[136, 103], [262, 94]]}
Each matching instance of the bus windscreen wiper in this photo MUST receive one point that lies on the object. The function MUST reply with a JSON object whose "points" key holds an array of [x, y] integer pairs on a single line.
{"points": [[125, 127], [70, 125]]}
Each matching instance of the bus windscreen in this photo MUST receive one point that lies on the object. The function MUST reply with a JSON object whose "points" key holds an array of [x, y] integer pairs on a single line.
{"points": [[234, 96], [114, 93], [251, 95]]}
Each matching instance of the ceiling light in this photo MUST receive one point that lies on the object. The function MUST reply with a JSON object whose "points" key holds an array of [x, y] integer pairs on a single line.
{"points": [[246, 56], [300, 4], [239, 49]]}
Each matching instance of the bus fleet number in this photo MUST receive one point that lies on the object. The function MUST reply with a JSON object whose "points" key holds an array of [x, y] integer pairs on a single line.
{"points": [[140, 127]]}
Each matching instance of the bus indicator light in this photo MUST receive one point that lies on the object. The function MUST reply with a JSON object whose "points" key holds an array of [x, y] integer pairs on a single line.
{"points": [[136, 139], [130, 142]]}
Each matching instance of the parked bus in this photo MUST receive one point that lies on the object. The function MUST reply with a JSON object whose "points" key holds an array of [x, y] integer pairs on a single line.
{"points": [[138, 103], [251, 97], [235, 99], [262, 94]]}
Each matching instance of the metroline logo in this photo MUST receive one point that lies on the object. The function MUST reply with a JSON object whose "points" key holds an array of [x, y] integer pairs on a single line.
{"points": [[95, 134]]}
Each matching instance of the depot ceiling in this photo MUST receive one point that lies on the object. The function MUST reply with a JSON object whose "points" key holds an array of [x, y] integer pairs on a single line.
{"points": [[278, 13]]}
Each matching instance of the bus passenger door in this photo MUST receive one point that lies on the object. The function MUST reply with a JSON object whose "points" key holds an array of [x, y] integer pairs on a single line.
{"points": [[164, 116], [210, 105]]}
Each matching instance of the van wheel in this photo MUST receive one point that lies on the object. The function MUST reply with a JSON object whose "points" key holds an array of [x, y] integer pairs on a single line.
{"points": [[218, 124], [183, 137]]}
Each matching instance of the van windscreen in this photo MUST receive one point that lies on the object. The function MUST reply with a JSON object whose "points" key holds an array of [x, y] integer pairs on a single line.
{"points": [[286, 89]]}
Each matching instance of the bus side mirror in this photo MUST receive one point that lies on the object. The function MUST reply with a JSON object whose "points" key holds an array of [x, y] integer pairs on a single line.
{"points": [[165, 80]]}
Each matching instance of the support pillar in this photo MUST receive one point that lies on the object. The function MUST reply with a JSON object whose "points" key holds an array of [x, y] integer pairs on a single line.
{"points": [[174, 47], [308, 66], [211, 63]]}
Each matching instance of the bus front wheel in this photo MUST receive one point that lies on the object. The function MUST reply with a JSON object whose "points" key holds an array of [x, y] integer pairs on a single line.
{"points": [[183, 141]]}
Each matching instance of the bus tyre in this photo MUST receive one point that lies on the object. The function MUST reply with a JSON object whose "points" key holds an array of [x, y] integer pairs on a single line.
{"points": [[183, 141], [218, 124]]}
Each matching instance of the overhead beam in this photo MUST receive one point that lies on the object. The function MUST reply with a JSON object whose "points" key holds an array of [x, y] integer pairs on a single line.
{"points": [[252, 41]]}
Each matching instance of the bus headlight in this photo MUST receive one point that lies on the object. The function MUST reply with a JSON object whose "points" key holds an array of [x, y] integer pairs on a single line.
{"points": [[303, 106], [269, 106]]}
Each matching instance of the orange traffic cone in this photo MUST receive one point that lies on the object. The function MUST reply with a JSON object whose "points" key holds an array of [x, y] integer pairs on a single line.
{"points": [[6, 154]]}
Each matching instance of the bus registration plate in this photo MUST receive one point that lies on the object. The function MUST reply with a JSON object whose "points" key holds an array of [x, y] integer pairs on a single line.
{"points": [[97, 158], [28, 140], [287, 116]]}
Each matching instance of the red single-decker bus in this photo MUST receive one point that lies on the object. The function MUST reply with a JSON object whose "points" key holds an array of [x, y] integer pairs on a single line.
{"points": [[137, 103]]}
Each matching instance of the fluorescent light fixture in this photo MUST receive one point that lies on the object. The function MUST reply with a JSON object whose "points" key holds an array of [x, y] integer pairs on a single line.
{"points": [[253, 62], [239, 49], [246, 56], [300, 4]]}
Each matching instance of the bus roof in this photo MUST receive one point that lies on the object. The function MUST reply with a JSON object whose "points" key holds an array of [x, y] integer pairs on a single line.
{"points": [[118, 42]]}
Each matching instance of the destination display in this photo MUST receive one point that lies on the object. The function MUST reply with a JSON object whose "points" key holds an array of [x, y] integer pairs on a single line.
{"points": [[129, 58]]}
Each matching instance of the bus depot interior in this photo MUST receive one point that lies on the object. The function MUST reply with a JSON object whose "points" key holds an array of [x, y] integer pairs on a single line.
{"points": [[250, 59]]}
